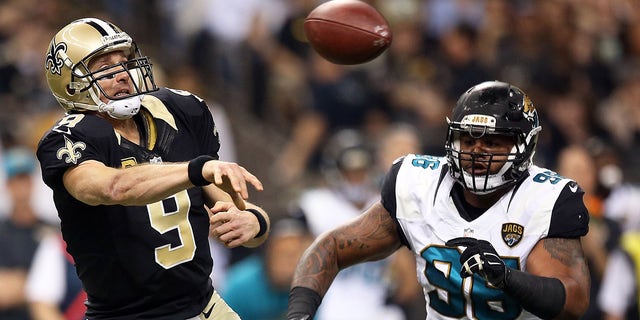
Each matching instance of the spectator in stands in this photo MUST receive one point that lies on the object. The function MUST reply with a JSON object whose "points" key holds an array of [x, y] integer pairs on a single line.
{"points": [[257, 287], [19, 233], [53, 289]]}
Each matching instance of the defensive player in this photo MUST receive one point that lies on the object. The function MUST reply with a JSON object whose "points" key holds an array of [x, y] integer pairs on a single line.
{"points": [[494, 236], [137, 183]]}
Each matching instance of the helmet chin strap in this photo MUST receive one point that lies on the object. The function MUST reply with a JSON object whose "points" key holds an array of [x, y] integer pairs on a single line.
{"points": [[122, 109]]}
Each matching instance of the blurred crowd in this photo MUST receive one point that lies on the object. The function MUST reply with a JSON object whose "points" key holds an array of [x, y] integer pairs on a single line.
{"points": [[278, 104]]}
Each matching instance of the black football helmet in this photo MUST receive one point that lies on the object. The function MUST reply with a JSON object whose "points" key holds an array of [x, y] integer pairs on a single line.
{"points": [[495, 108], [347, 152]]}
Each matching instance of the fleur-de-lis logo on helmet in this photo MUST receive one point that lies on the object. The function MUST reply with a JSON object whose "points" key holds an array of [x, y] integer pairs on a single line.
{"points": [[53, 62], [70, 150]]}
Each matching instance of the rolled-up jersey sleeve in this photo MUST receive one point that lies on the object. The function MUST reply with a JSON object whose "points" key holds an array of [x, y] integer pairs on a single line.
{"points": [[570, 217]]}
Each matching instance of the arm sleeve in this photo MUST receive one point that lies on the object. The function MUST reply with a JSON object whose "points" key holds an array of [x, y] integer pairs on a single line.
{"points": [[388, 193], [570, 218], [75, 139], [210, 134], [388, 197]]}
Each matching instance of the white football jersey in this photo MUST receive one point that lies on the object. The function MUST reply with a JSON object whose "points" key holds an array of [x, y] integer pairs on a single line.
{"points": [[429, 217]]}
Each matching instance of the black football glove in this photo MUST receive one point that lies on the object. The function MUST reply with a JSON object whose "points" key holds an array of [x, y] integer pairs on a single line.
{"points": [[481, 258]]}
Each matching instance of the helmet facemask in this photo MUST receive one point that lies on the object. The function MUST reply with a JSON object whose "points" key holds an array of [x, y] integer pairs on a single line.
{"points": [[514, 163], [138, 69]]}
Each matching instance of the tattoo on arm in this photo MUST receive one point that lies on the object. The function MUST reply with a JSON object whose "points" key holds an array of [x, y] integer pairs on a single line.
{"points": [[567, 251], [572, 270], [317, 267], [371, 236]]}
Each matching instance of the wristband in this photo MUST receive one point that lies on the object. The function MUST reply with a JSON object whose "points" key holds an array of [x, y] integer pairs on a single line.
{"points": [[303, 303], [542, 296], [195, 170], [261, 220]]}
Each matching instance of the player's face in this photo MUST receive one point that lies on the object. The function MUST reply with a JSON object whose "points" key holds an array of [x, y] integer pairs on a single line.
{"points": [[111, 74], [487, 153]]}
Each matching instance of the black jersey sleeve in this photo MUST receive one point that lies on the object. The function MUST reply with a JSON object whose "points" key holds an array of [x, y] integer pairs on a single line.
{"points": [[195, 112], [388, 193], [570, 217], [210, 134], [72, 140], [388, 196]]}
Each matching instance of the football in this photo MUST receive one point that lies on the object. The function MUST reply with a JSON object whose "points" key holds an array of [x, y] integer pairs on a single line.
{"points": [[347, 31]]}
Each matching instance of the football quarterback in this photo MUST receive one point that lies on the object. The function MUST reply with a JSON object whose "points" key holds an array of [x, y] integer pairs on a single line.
{"points": [[137, 182]]}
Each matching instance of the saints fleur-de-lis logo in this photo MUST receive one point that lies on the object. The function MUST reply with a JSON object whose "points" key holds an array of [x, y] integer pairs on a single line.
{"points": [[54, 63], [70, 151]]}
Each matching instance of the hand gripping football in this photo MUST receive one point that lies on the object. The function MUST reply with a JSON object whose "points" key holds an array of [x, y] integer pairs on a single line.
{"points": [[347, 31]]}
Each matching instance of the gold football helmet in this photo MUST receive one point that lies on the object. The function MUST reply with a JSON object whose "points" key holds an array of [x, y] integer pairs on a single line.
{"points": [[75, 87]]}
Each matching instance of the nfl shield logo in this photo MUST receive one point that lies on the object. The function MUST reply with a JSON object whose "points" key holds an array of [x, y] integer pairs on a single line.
{"points": [[468, 232]]}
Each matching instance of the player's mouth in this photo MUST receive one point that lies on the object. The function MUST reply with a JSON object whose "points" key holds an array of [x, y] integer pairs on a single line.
{"points": [[477, 168], [122, 93]]}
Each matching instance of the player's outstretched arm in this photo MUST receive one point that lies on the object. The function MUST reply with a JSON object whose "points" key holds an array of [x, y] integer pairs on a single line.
{"points": [[94, 183], [371, 236]]}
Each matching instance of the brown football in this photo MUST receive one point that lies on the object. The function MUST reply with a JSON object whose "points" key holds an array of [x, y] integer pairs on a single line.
{"points": [[347, 31]]}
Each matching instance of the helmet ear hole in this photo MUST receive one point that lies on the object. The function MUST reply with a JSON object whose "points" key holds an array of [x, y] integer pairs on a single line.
{"points": [[70, 90]]}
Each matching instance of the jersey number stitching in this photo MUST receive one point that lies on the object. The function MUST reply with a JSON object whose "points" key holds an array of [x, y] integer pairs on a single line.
{"points": [[426, 162], [455, 296], [169, 256], [550, 176]]}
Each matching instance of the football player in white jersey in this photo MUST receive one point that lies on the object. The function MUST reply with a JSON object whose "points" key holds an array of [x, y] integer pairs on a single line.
{"points": [[494, 236]]}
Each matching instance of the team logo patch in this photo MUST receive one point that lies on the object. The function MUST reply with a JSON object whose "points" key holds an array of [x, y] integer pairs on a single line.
{"points": [[54, 63], [528, 104], [70, 151], [529, 110], [512, 233]]}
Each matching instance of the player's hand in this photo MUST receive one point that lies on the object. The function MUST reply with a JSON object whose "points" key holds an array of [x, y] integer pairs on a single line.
{"points": [[480, 257], [232, 178], [231, 226]]}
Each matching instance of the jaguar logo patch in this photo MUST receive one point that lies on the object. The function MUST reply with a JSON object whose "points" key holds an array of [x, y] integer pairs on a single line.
{"points": [[512, 233], [528, 104]]}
